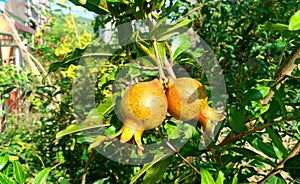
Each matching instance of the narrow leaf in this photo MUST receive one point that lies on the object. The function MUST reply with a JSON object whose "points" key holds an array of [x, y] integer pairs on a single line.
{"points": [[265, 148], [5, 179], [156, 172], [42, 176], [252, 155], [221, 178], [77, 128], [158, 157], [3, 161], [235, 179], [164, 32], [19, 173], [206, 177], [277, 141]]}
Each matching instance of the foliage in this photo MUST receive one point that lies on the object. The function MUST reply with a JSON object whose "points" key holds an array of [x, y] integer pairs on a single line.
{"points": [[256, 44]]}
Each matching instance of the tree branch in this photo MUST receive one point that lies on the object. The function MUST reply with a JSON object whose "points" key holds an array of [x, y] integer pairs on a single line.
{"points": [[177, 152], [280, 166], [87, 165], [285, 69]]}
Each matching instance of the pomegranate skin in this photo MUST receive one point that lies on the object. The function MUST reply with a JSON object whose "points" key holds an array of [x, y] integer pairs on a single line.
{"points": [[186, 97], [144, 106], [187, 100]]}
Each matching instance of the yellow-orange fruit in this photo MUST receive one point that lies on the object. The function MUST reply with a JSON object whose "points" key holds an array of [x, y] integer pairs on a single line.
{"points": [[187, 100], [144, 106]]}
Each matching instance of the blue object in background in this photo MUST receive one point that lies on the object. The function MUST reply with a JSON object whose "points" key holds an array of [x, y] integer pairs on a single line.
{"points": [[2, 4]]}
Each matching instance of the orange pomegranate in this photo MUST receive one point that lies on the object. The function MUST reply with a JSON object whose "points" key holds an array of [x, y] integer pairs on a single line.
{"points": [[144, 106], [187, 100]]}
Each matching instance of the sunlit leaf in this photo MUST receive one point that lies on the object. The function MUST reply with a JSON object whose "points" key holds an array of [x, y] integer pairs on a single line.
{"points": [[3, 161], [275, 180], [206, 177], [42, 177], [5, 179], [63, 181], [235, 179], [295, 21], [257, 93], [180, 44], [272, 26], [221, 178], [19, 173]]}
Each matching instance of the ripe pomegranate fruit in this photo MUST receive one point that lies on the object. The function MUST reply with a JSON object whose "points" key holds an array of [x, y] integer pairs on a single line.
{"points": [[144, 106], [187, 100]]}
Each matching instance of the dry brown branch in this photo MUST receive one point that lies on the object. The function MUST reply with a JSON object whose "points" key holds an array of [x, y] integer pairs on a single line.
{"points": [[93, 151], [284, 70], [280, 166]]}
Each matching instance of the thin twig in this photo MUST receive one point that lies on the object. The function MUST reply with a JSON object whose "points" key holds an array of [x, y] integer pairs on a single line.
{"points": [[157, 56], [58, 164], [245, 133], [76, 30], [280, 166], [168, 64], [177, 152], [87, 165]]}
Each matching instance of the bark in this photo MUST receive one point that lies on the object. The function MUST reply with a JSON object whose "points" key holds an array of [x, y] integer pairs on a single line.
{"points": [[285, 70]]}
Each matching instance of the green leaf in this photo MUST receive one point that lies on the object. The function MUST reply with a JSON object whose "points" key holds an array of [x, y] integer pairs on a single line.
{"points": [[206, 177], [277, 141], [180, 44], [275, 180], [77, 128], [221, 178], [99, 7], [265, 148], [63, 181], [161, 50], [295, 22], [235, 179], [19, 173], [158, 157], [156, 171], [144, 47], [237, 120], [252, 155], [257, 93], [5, 179], [292, 166], [42, 177], [272, 27], [164, 32], [101, 181], [3, 161]]}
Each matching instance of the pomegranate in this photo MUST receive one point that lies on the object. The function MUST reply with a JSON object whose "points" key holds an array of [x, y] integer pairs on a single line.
{"points": [[187, 100], [144, 106]]}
